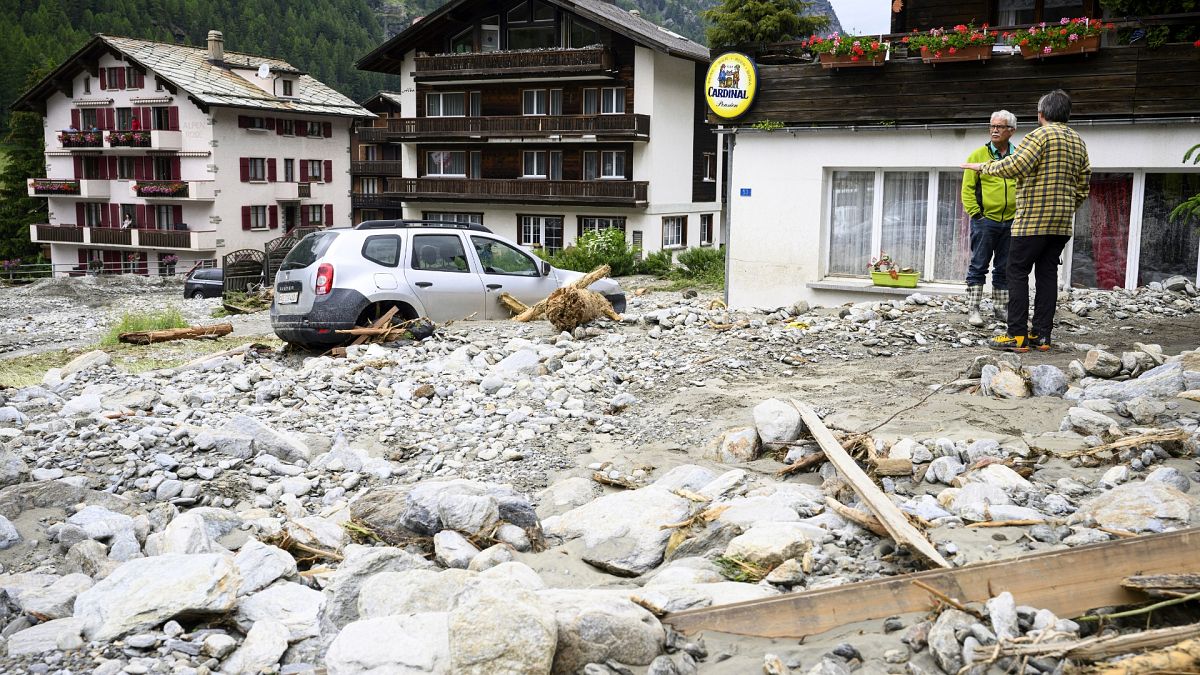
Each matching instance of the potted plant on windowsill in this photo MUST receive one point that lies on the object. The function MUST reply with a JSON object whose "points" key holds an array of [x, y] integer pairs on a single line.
{"points": [[1068, 36], [962, 43], [885, 272], [848, 51]]}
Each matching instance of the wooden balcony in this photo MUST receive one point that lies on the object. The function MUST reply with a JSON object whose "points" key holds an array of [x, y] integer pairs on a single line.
{"points": [[375, 202], [165, 191], [626, 127], [585, 192], [68, 188], [111, 237], [376, 168], [500, 64]]}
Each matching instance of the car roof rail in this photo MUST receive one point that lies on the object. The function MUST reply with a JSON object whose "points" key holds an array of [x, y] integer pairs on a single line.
{"points": [[394, 224]]}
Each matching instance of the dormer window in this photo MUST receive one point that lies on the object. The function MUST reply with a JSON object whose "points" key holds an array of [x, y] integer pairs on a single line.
{"points": [[287, 88], [531, 25]]}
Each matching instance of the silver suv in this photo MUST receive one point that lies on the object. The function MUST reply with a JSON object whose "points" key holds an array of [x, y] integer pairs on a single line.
{"points": [[341, 278]]}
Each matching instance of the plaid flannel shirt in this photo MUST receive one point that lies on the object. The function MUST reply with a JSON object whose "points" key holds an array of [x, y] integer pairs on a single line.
{"points": [[1053, 178]]}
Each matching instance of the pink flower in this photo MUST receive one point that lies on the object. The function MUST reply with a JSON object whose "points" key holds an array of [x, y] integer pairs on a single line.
{"points": [[1047, 49], [1064, 21], [1073, 37]]}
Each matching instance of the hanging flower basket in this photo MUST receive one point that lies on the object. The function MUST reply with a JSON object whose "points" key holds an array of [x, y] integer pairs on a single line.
{"points": [[1084, 45], [959, 54], [1067, 37], [848, 51], [963, 42]]}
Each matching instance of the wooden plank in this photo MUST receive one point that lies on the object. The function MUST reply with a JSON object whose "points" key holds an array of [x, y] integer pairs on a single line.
{"points": [[887, 512], [167, 335], [1068, 583]]}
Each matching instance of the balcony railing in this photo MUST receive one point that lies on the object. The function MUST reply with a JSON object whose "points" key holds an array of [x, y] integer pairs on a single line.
{"points": [[174, 190], [125, 142], [81, 139], [626, 127], [375, 202], [128, 139], [590, 192], [287, 191], [186, 240], [304, 190], [69, 188], [376, 167], [588, 59]]}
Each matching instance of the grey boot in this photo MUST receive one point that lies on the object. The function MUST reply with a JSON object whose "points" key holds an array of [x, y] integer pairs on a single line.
{"points": [[1000, 303], [974, 297]]}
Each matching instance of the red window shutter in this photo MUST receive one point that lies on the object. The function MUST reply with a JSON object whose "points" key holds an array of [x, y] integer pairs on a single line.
{"points": [[140, 215], [112, 168], [139, 81], [273, 217], [104, 78], [329, 215], [151, 217], [176, 174], [244, 165], [83, 256], [80, 217], [102, 168], [327, 129], [120, 78], [243, 122], [110, 117], [103, 216], [78, 167], [173, 113], [303, 170], [114, 215], [270, 169], [270, 122], [148, 168], [328, 173], [75, 118], [279, 128], [177, 213], [144, 114], [245, 217]]}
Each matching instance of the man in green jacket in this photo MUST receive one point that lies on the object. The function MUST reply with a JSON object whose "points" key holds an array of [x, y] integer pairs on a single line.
{"points": [[991, 201]]}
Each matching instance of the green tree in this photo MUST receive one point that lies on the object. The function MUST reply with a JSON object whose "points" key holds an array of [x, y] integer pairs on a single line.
{"points": [[759, 22], [1189, 208], [26, 159]]}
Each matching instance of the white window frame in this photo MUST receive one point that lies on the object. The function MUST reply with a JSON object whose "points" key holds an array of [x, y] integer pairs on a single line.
{"points": [[710, 167], [288, 88], [535, 102], [289, 170], [927, 265], [597, 223], [612, 101], [616, 175], [369, 186], [707, 222], [289, 127], [256, 170], [87, 85], [541, 165], [315, 167], [529, 231], [259, 218], [672, 231], [440, 97], [316, 215], [429, 155]]}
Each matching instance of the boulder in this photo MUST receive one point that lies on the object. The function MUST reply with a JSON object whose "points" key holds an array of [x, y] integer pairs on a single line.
{"points": [[777, 421], [1048, 380], [187, 534], [451, 549], [415, 643], [943, 643], [1100, 363], [737, 446], [260, 565], [260, 651], [145, 592], [564, 495], [1165, 381], [595, 626], [298, 608], [360, 564], [1008, 384], [1146, 506], [56, 635], [13, 469], [56, 601], [411, 592], [769, 544], [494, 629], [9, 536], [1087, 422]]}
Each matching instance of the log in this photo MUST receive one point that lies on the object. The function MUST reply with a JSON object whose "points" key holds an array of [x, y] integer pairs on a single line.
{"points": [[583, 282], [1097, 648], [1068, 582], [512, 304], [855, 516], [152, 336], [885, 466], [1181, 658], [568, 308], [898, 527], [802, 464], [1164, 585]]}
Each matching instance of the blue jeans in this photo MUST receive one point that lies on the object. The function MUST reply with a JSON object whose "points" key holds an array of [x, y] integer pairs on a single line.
{"points": [[989, 243]]}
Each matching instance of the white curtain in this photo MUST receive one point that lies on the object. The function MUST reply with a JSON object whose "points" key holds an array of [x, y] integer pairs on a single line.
{"points": [[850, 222], [905, 203], [952, 254]]}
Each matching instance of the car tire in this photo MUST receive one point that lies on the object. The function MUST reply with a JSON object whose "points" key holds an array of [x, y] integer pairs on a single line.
{"points": [[617, 300], [198, 295]]}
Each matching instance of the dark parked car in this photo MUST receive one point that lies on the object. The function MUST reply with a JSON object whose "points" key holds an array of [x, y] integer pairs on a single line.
{"points": [[204, 283]]}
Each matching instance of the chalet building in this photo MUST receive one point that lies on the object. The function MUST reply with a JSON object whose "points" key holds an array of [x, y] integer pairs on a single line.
{"points": [[373, 163], [546, 119], [159, 152], [867, 160]]}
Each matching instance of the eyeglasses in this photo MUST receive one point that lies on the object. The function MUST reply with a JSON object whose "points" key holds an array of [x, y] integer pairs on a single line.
{"points": [[1000, 127]]}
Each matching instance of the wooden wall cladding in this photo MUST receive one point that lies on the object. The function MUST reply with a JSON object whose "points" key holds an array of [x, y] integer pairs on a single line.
{"points": [[1114, 82]]}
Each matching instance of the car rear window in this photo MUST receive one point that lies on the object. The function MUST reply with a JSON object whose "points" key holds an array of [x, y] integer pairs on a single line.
{"points": [[308, 250]]}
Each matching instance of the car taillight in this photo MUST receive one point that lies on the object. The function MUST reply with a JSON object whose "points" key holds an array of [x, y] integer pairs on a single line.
{"points": [[324, 279]]}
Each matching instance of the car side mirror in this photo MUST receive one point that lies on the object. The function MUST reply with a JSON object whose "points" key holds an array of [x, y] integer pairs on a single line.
{"points": [[546, 267]]}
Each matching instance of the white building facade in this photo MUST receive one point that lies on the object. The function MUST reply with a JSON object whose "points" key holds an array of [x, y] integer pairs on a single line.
{"points": [[160, 156]]}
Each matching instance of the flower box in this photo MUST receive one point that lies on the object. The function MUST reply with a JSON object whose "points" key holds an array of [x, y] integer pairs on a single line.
{"points": [[851, 61], [152, 189], [974, 53], [1083, 45], [56, 187], [902, 280]]}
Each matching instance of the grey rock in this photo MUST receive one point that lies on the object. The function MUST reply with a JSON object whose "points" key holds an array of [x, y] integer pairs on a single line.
{"points": [[187, 534], [490, 557], [1048, 380], [9, 536], [411, 592], [298, 608], [260, 565], [1147, 506], [1170, 476], [218, 645], [1087, 422], [769, 544], [361, 563], [777, 422], [1163, 382], [564, 495], [944, 469], [232, 444], [737, 446], [1100, 363], [596, 626], [417, 643], [89, 557], [501, 630], [45, 637], [451, 549], [1002, 611], [56, 601], [943, 643], [268, 440], [685, 477], [264, 645], [13, 469]]}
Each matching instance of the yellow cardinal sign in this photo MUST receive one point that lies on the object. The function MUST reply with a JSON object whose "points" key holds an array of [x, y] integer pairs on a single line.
{"points": [[730, 85]]}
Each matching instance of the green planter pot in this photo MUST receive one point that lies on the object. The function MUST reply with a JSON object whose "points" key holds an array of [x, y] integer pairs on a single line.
{"points": [[902, 280]]}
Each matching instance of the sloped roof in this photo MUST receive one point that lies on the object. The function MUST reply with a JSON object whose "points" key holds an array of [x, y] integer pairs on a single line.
{"points": [[392, 97], [211, 84], [642, 31]]}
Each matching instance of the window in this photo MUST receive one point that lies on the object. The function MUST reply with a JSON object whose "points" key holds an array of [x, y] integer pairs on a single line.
{"points": [[129, 211], [125, 168], [591, 101], [447, 104], [953, 236], [115, 77], [1167, 248], [164, 217], [258, 123], [289, 171], [497, 257], [316, 215], [124, 118], [287, 87], [597, 223], [556, 163], [674, 231], [472, 218], [439, 253], [368, 153], [534, 37], [87, 85], [905, 204], [314, 170], [314, 130], [533, 102], [258, 169], [612, 164], [90, 168], [164, 168], [1014, 12], [581, 35], [161, 117], [612, 100], [87, 118], [1100, 247], [131, 78], [710, 166], [476, 103], [287, 127], [706, 229], [463, 42], [850, 221], [533, 164], [258, 217], [158, 85], [382, 249], [369, 186], [489, 34], [476, 164], [540, 231], [93, 214], [446, 163]]}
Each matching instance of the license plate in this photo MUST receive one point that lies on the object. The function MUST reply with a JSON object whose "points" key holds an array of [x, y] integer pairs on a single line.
{"points": [[288, 298]]}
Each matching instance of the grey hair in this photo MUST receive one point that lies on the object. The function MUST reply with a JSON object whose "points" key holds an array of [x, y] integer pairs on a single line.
{"points": [[1009, 118], [1055, 106]]}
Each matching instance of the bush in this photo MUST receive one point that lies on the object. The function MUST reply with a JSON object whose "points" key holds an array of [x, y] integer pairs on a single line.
{"points": [[593, 249], [659, 264], [704, 265], [133, 323]]}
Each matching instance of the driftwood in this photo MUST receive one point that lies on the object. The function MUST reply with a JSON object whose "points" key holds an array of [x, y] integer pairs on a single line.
{"points": [[568, 308], [512, 304], [886, 466], [898, 527], [802, 464], [1180, 658], [583, 282], [855, 516], [192, 365], [1157, 436], [151, 336], [1165, 585], [1096, 648]]}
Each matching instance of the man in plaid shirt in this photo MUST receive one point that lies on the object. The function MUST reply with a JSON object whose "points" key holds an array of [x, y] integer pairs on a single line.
{"points": [[1053, 173]]}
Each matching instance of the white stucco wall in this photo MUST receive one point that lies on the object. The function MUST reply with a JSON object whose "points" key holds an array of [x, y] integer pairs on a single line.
{"points": [[779, 234]]}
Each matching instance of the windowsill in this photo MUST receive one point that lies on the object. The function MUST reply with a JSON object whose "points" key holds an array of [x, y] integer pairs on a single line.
{"points": [[259, 229], [445, 175], [257, 130], [532, 178], [859, 285], [706, 244], [673, 247], [260, 181]]}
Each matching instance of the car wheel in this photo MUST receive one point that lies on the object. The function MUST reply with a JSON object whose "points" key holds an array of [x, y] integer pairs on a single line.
{"points": [[617, 300], [197, 295]]}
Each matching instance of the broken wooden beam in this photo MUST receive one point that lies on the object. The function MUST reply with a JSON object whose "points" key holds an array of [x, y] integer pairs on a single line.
{"points": [[1068, 582], [146, 337], [1164, 585], [1095, 648], [889, 515], [582, 282]]}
